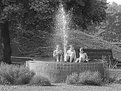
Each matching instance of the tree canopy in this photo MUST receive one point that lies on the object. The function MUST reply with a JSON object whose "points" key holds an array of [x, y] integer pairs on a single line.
{"points": [[35, 18], [109, 30], [85, 12]]}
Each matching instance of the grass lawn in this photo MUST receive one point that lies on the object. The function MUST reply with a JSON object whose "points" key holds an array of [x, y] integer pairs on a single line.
{"points": [[62, 87]]}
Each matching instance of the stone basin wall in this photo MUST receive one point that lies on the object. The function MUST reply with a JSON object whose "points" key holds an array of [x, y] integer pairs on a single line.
{"points": [[58, 71]]}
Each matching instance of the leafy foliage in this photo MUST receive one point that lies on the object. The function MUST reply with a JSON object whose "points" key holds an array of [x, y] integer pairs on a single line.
{"points": [[15, 75], [90, 78], [85, 78], [93, 12], [113, 27], [27, 17], [40, 81], [72, 79], [88, 10], [109, 30]]}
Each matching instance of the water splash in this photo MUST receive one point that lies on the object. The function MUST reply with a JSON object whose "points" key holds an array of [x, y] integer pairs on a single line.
{"points": [[62, 22]]}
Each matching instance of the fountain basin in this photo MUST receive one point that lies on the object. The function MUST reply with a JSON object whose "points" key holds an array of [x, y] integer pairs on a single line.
{"points": [[58, 71]]}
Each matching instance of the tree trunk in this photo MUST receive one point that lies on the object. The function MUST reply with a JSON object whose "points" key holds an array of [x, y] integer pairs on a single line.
{"points": [[0, 46], [6, 42]]}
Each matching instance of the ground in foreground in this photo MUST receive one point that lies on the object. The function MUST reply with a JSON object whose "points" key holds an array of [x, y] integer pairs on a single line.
{"points": [[62, 87]]}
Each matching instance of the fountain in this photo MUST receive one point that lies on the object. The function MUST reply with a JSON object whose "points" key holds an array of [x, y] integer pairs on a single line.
{"points": [[64, 29], [58, 71], [61, 27]]}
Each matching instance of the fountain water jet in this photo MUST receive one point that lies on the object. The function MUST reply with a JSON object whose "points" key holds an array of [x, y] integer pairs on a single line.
{"points": [[61, 24]]}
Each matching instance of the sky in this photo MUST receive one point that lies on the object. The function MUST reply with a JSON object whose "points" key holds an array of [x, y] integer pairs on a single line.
{"points": [[117, 1]]}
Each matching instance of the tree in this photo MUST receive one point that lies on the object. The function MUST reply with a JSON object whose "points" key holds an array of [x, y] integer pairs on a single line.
{"points": [[85, 12], [10, 10], [89, 13], [109, 30], [82, 15], [113, 24], [28, 14]]}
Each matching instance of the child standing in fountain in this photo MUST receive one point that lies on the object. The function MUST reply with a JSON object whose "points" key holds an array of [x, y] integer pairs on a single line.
{"points": [[57, 54], [71, 54], [82, 56]]}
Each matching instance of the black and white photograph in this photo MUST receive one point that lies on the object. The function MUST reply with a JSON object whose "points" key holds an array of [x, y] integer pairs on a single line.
{"points": [[60, 45]]}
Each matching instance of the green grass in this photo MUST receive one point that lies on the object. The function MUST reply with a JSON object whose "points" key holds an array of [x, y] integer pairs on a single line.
{"points": [[61, 87]]}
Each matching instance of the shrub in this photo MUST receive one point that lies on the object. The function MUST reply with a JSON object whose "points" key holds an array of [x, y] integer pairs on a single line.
{"points": [[15, 74], [115, 78], [112, 77], [85, 78], [90, 78], [72, 79], [40, 81]]}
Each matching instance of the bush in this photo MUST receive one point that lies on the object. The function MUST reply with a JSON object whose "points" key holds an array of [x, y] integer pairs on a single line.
{"points": [[112, 77], [90, 78], [109, 78], [115, 78], [15, 74], [85, 78], [40, 81], [72, 79], [118, 79]]}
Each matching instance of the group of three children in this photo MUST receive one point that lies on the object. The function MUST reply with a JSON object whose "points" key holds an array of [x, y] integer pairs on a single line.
{"points": [[70, 55]]}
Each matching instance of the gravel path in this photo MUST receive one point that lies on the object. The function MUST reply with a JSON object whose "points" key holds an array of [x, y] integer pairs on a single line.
{"points": [[62, 87]]}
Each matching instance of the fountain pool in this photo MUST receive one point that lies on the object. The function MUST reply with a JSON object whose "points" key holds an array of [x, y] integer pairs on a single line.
{"points": [[58, 71]]}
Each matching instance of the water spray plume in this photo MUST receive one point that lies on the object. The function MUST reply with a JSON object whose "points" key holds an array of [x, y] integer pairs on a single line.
{"points": [[62, 22]]}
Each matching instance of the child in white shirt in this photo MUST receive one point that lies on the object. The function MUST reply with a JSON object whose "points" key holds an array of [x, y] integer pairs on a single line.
{"points": [[71, 54]]}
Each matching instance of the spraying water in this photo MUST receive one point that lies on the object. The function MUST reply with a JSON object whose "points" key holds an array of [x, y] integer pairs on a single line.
{"points": [[62, 21]]}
